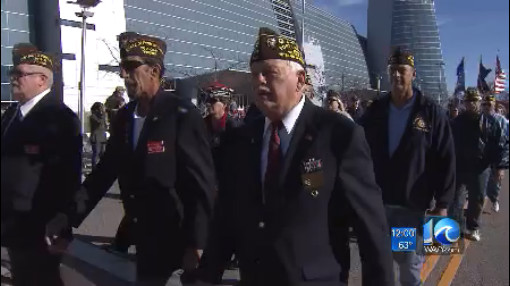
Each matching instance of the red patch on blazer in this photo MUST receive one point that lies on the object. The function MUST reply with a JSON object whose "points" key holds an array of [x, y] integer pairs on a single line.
{"points": [[154, 147], [32, 149]]}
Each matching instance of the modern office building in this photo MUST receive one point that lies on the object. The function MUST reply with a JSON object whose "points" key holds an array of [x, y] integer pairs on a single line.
{"points": [[203, 36], [411, 24]]}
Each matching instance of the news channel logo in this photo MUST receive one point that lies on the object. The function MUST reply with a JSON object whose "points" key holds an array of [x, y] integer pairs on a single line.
{"points": [[442, 235]]}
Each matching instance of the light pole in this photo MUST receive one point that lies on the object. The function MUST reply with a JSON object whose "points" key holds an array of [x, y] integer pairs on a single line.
{"points": [[84, 14], [303, 28], [379, 78], [440, 92]]}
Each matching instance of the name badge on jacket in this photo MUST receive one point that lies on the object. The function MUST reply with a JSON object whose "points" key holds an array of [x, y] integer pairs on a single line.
{"points": [[32, 149], [312, 177], [155, 147]]}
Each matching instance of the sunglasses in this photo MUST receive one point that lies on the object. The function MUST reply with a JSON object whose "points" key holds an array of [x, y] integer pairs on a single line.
{"points": [[131, 65]]}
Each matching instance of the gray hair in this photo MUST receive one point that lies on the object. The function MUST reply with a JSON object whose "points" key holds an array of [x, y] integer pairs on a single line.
{"points": [[296, 67], [47, 73]]}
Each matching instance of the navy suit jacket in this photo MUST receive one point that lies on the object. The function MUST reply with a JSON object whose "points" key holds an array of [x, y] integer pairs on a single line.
{"points": [[296, 237]]}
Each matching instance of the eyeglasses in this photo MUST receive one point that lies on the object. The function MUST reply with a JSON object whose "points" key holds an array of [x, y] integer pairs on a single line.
{"points": [[131, 65], [16, 74]]}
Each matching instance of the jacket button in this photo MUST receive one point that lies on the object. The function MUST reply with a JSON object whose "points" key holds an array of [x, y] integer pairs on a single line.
{"points": [[135, 220], [131, 196], [262, 224], [257, 261]]}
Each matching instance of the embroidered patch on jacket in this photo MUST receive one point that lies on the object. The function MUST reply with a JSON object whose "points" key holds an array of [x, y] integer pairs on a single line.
{"points": [[154, 147], [32, 149], [419, 124], [312, 165]]}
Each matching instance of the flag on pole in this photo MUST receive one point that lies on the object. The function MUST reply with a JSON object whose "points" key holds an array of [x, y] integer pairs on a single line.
{"points": [[461, 78], [500, 81], [483, 87]]}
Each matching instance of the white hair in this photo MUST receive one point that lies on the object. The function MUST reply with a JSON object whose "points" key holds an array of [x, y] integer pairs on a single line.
{"points": [[296, 67], [46, 72]]}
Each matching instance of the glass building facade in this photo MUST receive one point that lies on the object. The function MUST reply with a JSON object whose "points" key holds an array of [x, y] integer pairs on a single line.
{"points": [[29, 21], [345, 65], [15, 29], [203, 36], [411, 24], [210, 35]]}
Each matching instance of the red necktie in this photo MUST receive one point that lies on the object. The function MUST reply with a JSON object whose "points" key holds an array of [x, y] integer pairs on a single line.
{"points": [[274, 157]]}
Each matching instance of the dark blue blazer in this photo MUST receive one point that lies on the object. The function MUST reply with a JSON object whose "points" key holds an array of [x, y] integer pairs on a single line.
{"points": [[295, 236]]}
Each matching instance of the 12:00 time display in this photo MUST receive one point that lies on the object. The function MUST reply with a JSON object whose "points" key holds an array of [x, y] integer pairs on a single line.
{"points": [[403, 239], [403, 232]]}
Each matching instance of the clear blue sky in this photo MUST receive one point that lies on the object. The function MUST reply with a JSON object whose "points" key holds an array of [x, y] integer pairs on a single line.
{"points": [[468, 28]]}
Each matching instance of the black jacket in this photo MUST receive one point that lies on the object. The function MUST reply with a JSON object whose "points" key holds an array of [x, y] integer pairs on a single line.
{"points": [[217, 136], [41, 170], [296, 238], [423, 166], [167, 182], [479, 142]]}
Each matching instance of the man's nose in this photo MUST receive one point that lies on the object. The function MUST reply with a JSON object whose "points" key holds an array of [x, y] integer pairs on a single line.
{"points": [[123, 73], [260, 78]]}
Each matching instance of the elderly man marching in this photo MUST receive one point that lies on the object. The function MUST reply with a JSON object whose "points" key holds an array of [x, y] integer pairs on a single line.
{"points": [[158, 151], [414, 157], [307, 175], [497, 175], [480, 144], [41, 169]]}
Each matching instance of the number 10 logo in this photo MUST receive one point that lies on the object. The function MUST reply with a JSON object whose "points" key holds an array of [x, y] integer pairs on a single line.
{"points": [[444, 230]]}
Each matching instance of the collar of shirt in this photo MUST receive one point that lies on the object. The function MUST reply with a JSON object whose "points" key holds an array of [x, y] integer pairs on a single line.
{"points": [[409, 104], [289, 121], [139, 121], [397, 122], [135, 113], [27, 106]]}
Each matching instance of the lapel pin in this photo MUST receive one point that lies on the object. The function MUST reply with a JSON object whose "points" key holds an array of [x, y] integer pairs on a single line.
{"points": [[309, 137], [308, 182], [155, 118], [315, 193]]}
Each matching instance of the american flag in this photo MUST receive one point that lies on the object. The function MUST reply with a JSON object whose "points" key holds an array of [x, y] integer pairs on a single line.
{"points": [[500, 82]]}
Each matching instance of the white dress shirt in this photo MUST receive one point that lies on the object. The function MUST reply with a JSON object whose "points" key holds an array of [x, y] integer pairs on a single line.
{"points": [[27, 106], [289, 122], [137, 127]]}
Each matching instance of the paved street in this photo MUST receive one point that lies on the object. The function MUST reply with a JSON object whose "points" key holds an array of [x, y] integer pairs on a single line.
{"points": [[484, 264]]}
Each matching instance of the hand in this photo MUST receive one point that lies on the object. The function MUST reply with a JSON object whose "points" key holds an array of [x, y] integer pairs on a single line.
{"points": [[56, 225], [81, 197], [438, 212], [498, 174], [56, 244], [191, 259], [59, 246]]}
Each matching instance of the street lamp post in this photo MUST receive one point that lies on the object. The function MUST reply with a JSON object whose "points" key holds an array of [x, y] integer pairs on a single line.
{"points": [[379, 78], [440, 92], [84, 14], [303, 28]]}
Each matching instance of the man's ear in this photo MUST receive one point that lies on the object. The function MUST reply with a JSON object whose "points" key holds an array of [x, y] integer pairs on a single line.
{"points": [[301, 80], [156, 71]]}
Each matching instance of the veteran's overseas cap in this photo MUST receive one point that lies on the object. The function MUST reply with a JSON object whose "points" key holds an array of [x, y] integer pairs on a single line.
{"points": [[271, 45], [146, 47], [401, 56], [27, 53], [472, 94]]}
